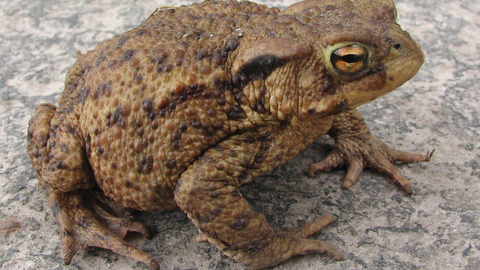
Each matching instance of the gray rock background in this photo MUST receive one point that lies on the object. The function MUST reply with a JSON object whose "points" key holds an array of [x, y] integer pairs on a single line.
{"points": [[379, 227]]}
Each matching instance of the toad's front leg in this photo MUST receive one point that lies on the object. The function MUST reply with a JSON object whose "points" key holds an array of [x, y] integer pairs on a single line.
{"points": [[357, 148], [208, 193]]}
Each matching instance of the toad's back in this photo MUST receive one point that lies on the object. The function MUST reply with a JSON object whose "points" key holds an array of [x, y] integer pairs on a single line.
{"points": [[150, 101]]}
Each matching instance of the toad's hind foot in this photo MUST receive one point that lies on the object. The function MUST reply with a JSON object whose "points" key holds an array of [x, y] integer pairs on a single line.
{"points": [[288, 244], [91, 223], [311, 245]]}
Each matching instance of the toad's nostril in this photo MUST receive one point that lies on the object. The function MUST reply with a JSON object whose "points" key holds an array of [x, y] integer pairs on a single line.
{"points": [[397, 46]]}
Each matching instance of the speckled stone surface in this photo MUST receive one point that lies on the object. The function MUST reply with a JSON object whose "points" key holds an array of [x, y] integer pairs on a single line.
{"points": [[379, 227]]}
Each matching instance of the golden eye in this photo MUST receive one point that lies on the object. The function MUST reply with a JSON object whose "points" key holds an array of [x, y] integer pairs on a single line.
{"points": [[350, 59]]}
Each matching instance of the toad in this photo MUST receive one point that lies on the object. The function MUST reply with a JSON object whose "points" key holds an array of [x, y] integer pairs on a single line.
{"points": [[200, 99]]}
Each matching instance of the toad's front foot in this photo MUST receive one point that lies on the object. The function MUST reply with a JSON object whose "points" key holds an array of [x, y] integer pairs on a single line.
{"points": [[358, 149], [85, 221], [371, 153]]}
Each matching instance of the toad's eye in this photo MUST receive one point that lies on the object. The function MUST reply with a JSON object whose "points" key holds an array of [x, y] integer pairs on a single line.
{"points": [[349, 60]]}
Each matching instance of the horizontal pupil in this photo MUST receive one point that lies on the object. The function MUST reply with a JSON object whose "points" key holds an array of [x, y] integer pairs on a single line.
{"points": [[352, 58]]}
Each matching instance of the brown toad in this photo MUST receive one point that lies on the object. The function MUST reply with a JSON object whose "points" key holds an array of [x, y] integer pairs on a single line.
{"points": [[201, 99]]}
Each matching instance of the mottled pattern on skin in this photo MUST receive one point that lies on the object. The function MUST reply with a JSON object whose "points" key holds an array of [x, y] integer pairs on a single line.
{"points": [[201, 99]]}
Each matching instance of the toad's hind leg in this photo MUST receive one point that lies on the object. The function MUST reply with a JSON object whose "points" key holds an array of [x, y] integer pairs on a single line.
{"points": [[83, 215], [207, 192], [84, 221]]}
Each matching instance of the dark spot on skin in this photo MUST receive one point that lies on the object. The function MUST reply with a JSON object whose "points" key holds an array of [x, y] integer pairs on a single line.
{"points": [[112, 63], [127, 55], [236, 194], [211, 112], [202, 54], [70, 130], [240, 79], [259, 105], [122, 41], [328, 87], [217, 58], [231, 46], [187, 93], [256, 246], [176, 136], [64, 148], [239, 224], [239, 97], [263, 89], [82, 96], [145, 165], [343, 105], [221, 101], [216, 212], [139, 129], [36, 153], [128, 184], [171, 164], [196, 124], [257, 68], [100, 150], [88, 144], [158, 60], [175, 145], [138, 79], [59, 165], [71, 87], [53, 130], [208, 129], [141, 32], [220, 56], [147, 106], [100, 60], [164, 68], [114, 166], [116, 118], [105, 88], [182, 127], [330, 7], [66, 110], [218, 81], [204, 217], [237, 113], [217, 125]]}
